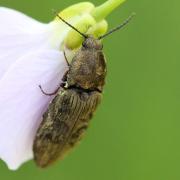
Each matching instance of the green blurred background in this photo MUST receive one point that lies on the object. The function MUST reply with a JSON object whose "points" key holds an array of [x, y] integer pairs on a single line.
{"points": [[135, 133]]}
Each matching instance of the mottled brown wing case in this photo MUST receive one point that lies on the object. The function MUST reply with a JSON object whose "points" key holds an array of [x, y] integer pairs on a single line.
{"points": [[64, 124]]}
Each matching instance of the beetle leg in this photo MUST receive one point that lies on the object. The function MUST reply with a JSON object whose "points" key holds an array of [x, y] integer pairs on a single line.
{"points": [[50, 94], [66, 58], [64, 78]]}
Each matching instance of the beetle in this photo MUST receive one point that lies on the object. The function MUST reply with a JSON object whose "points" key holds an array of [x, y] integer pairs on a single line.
{"points": [[69, 113]]}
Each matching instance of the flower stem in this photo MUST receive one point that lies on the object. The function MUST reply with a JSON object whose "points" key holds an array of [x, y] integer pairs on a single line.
{"points": [[102, 11]]}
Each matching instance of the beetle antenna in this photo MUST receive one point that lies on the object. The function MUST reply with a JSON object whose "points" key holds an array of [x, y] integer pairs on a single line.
{"points": [[85, 36], [119, 27]]}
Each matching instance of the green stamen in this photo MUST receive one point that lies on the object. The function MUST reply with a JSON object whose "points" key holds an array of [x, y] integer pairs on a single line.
{"points": [[102, 11], [88, 19]]}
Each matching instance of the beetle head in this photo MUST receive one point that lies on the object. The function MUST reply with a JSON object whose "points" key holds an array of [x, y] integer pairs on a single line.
{"points": [[92, 43]]}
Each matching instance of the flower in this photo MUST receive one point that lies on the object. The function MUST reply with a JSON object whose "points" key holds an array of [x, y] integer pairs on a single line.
{"points": [[31, 54]]}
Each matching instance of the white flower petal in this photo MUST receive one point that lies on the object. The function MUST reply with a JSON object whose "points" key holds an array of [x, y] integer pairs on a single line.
{"points": [[15, 22], [19, 35], [21, 71], [22, 103]]}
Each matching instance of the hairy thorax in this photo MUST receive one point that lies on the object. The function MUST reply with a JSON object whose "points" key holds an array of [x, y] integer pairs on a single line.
{"points": [[87, 70]]}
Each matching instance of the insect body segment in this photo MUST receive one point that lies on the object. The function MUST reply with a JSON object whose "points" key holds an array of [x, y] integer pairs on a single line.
{"points": [[64, 124], [90, 70]]}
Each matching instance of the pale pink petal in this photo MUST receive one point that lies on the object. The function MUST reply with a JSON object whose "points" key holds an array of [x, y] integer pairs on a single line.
{"points": [[19, 35], [15, 22], [22, 103]]}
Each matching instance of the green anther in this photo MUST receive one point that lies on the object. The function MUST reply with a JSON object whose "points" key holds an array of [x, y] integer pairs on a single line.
{"points": [[74, 39], [77, 10], [98, 29]]}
